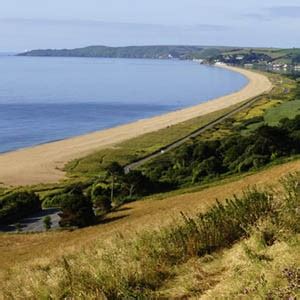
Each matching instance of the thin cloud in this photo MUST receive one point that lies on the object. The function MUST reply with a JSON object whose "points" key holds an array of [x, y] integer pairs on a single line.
{"points": [[209, 27], [285, 11], [275, 12], [257, 16], [111, 25], [70, 22]]}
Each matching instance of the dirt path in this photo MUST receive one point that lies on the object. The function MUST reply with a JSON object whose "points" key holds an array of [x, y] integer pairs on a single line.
{"points": [[43, 164]]}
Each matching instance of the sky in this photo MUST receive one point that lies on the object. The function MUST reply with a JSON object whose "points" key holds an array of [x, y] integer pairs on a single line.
{"points": [[36, 24]]}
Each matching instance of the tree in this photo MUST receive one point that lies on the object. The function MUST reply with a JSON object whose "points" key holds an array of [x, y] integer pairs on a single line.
{"points": [[77, 210], [114, 170], [18, 227], [209, 167], [135, 182], [17, 205], [100, 198], [47, 222]]}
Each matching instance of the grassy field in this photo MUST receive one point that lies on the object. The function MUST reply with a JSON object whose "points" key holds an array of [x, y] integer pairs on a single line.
{"points": [[281, 56], [284, 110], [83, 248], [281, 98]]}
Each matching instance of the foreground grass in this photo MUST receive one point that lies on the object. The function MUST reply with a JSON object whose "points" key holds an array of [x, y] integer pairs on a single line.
{"points": [[249, 270], [257, 224], [135, 268], [24, 249], [264, 265]]}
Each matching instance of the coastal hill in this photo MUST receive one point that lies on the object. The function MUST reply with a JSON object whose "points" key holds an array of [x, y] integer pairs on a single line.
{"points": [[271, 57], [154, 52], [122, 52]]}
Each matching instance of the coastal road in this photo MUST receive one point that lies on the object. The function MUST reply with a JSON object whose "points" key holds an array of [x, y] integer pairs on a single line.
{"points": [[181, 141]]}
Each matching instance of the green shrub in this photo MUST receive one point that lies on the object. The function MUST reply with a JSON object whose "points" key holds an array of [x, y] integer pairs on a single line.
{"points": [[77, 210], [289, 212], [47, 222], [18, 205], [101, 198]]}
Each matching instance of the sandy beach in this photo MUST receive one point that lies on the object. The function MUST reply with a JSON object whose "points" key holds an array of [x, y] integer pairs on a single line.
{"points": [[43, 164]]}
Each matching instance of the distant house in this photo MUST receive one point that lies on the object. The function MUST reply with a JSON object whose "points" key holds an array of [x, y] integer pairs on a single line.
{"points": [[200, 61], [249, 66], [219, 63], [240, 57], [277, 66]]}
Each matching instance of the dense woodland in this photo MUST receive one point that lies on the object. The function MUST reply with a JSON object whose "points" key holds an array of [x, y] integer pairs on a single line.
{"points": [[200, 161]]}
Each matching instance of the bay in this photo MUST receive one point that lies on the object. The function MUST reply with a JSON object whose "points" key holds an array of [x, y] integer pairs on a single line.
{"points": [[43, 99]]}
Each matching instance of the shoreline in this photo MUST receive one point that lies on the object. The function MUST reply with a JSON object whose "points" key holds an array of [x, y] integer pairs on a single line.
{"points": [[43, 163]]}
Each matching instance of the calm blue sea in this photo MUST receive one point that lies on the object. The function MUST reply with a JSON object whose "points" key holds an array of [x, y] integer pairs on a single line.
{"points": [[47, 99]]}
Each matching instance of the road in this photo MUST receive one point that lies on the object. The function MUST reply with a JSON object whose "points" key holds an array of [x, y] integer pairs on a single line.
{"points": [[34, 223], [197, 132]]}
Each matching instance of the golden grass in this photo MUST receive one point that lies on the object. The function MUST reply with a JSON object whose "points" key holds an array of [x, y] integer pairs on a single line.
{"points": [[23, 250], [248, 270], [248, 277]]}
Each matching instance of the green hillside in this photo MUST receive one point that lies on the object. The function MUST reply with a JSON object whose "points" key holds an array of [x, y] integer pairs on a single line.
{"points": [[122, 52], [229, 54]]}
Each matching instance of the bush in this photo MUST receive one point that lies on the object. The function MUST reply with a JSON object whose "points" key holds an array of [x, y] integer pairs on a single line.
{"points": [[101, 198], [47, 222], [77, 210], [289, 212], [55, 199], [18, 205]]}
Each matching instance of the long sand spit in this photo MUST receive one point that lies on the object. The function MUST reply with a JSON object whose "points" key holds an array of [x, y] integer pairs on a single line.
{"points": [[44, 163]]}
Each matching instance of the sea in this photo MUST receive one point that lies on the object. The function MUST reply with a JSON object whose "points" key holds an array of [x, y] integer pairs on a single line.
{"points": [[44, 99]]}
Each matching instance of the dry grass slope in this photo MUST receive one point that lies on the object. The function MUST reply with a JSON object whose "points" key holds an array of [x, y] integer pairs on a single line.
{"points": [[18, 251]]}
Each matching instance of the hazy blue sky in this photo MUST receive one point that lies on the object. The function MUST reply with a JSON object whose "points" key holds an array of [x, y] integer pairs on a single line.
{"points": [[74, 23]]}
